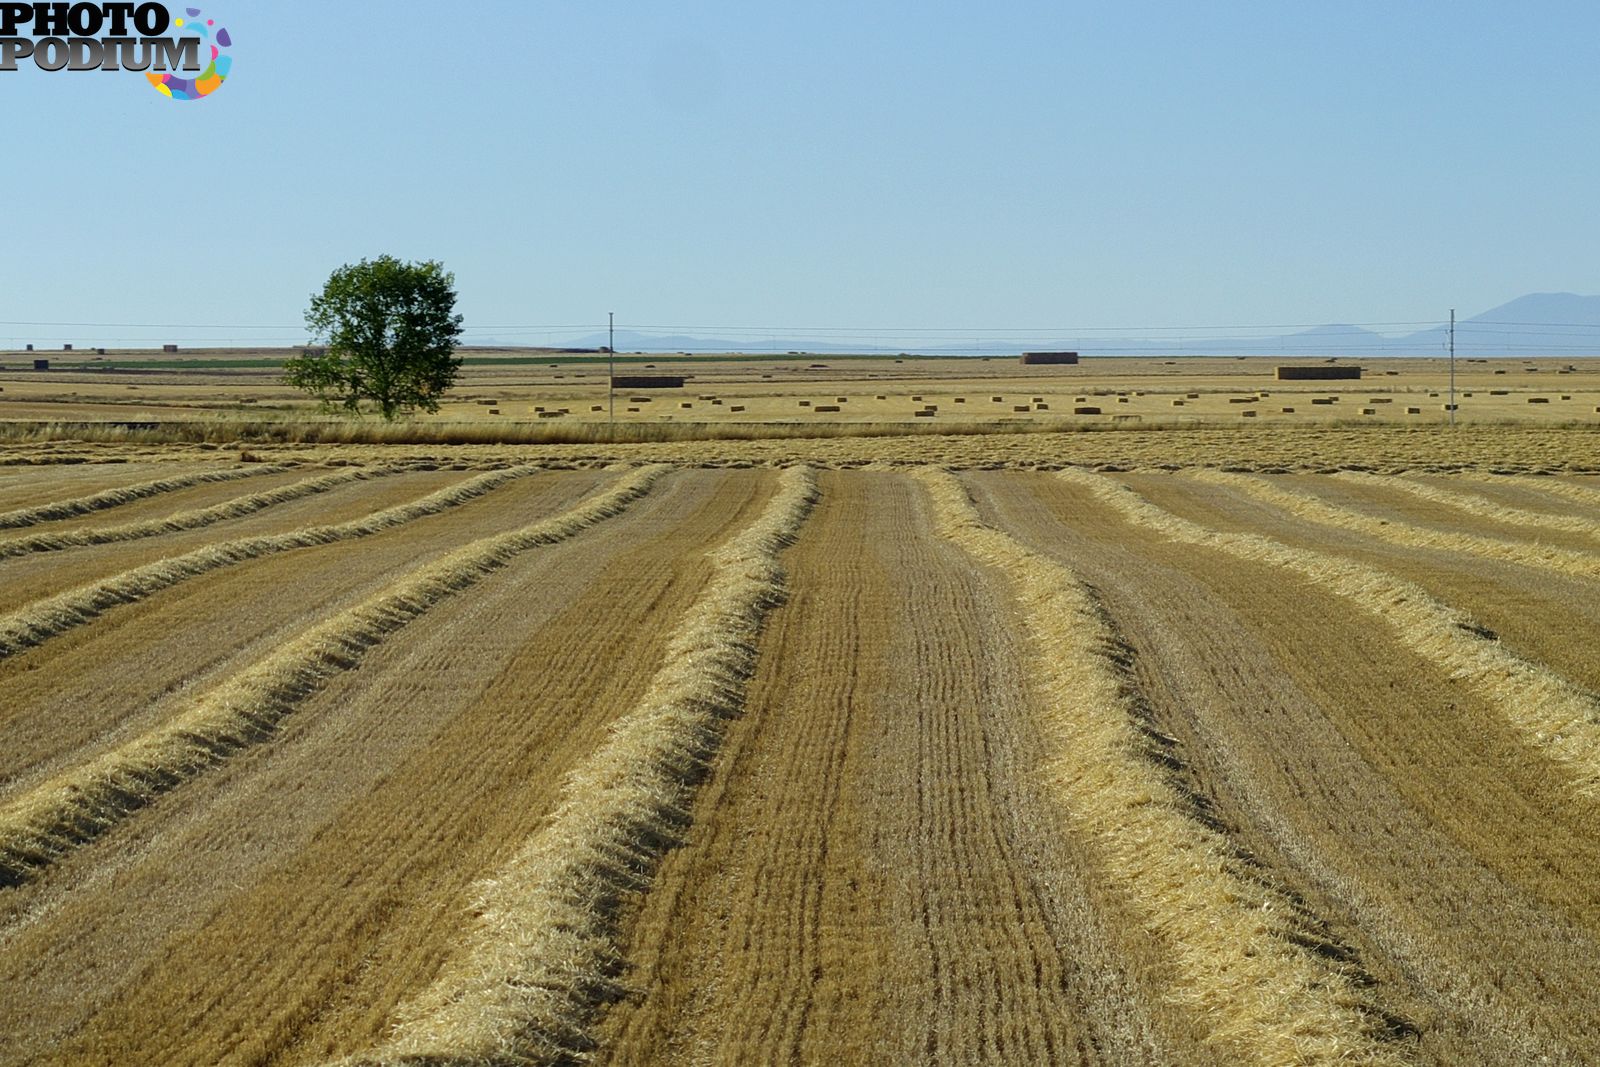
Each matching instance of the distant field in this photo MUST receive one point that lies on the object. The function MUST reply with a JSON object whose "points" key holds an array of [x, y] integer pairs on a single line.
{"points": [[801, 736], [389, 762], [517, 396]]}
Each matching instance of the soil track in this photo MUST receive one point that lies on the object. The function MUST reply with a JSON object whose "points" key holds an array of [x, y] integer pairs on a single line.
{"points": [[1396, 805], [887, 858], [869, 878], [325, 876]]}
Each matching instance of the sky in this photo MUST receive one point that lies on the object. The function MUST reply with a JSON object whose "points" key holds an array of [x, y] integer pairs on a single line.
{"points": [[808, 166]]}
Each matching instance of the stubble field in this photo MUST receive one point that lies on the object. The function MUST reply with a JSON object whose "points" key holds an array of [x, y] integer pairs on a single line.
{"points": [[398, 762]]}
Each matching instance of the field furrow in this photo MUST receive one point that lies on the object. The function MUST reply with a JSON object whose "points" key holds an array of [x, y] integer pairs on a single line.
{"points": [[867, 877], [1386, 796], [190, 514], [1477, 504], [72, 698], [28, 485], [38, 576], [1554, 717], [34, 623], [530, 980], [1244, 961], [49, 503], [79, 804], [1313, 507], [364, 827]]}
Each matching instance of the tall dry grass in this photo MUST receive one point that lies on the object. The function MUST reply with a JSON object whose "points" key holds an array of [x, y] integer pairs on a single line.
{"points": [[43, 619], [193, 519], [1556, 718], [1258, 995], [1315, 509], [127, 494], [540, 962], [79, 804]]}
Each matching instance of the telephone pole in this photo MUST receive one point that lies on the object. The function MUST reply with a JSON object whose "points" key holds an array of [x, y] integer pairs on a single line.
{"points": [[611, 368], [1452, 366]]}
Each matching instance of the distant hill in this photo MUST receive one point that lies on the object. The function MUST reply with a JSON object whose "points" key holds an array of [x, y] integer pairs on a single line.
{"points": [[1539, 324]]}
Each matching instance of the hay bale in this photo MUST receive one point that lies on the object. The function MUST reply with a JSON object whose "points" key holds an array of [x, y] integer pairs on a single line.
{"points": [[1082, 410], [1288, 411], [597, 407], [1318, 374], [736, 407], [1248, 414], [1041, 407], [494, 411], [1177, 403], [1538, 400], [647, 381], [924, 414], [1413, 411], [1369, 411], [826, 407]]}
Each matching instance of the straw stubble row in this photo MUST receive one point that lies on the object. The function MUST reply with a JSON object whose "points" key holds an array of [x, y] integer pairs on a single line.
{"points": [[1256, 994], [81, 803], [530, 982]]}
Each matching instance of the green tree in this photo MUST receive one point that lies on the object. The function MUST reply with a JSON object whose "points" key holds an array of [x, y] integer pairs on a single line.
{"points": [[388, 331]]}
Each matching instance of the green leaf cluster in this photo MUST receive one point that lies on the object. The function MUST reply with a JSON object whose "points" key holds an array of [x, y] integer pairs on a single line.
{"points": [[386, 332]]}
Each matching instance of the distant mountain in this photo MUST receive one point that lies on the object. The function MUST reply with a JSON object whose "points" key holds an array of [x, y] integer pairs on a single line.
{"points": [[1539, 324]]}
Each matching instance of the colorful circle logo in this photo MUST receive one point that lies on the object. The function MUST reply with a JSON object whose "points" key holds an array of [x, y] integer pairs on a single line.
{"points": [[210, 80]]}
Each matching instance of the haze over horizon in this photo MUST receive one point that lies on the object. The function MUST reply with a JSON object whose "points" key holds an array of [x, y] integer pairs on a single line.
{"points": [[919, 167]]}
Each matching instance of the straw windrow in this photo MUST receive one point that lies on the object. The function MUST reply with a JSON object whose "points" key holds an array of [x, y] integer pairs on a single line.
{"points": [[43, 619], [127, 494], [194, 519], [531, 980], [1476, 504], [1308, 506], [1257, 994], [1556, 718], [82, 802]]}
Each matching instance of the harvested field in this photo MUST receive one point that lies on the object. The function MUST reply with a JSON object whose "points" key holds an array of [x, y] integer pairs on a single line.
{"points": [[769, 760]]}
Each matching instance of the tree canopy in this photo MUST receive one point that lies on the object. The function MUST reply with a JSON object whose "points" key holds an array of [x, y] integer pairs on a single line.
{"points": [[387, 331]]}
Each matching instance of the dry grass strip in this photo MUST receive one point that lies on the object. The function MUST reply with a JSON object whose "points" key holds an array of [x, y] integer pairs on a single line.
{"points": [[542, 959], [1559, 720], [1476, 504], [110, 498], [43, 619], [1578, 494], [82, 802], [1260, 997], [1314, 509], [238, 507]]}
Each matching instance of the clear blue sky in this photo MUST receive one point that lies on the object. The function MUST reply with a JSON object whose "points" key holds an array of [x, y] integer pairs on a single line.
{"points": [[818, 164]]}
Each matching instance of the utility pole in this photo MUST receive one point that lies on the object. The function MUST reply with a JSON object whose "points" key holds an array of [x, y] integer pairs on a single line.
{"points": [[1452, 366], [611, 368]]}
